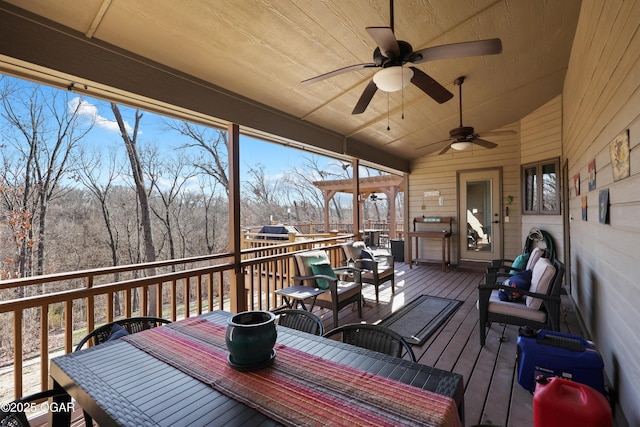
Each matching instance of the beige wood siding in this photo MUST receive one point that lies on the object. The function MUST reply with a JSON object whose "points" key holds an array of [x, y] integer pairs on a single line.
{"points": [[439, 172], [541, 134], [601, 98]]}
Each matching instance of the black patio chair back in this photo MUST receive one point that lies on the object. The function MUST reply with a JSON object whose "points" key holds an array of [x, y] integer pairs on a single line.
{"points": [[373, 337], [131, 325], [13, 415], [301, 320], [103, 333]]}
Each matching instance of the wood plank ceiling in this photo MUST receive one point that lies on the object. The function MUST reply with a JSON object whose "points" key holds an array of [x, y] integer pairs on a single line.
{"points": [[262, 49]]}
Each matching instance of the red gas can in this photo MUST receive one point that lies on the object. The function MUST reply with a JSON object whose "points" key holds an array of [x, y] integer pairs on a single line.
{"points": [[563, 403]]}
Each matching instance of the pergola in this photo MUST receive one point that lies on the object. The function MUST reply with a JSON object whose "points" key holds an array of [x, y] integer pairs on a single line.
{"points": [[389, 185]]}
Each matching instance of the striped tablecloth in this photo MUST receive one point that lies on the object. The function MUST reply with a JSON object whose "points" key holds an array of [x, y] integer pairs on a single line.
{"points": [[298, 389]]}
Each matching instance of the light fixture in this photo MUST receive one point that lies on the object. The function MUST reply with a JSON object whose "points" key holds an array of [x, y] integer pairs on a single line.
{"points": [[392, 79], [373, 196], [461, 145]]}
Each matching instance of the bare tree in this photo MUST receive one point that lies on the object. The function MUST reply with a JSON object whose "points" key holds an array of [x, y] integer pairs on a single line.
{"points": [[130, 142], [43, 130], [169, 176], [212, 145]]}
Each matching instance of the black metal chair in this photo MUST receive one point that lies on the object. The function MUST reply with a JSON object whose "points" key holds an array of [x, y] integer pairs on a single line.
{"points": [[300, 320], [539, 308], [104, 333], [13, 415], [131, 325], [373, 337]]}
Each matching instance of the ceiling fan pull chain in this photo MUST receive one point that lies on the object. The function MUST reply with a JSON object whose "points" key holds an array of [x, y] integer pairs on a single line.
{"points": [[388, 114]]}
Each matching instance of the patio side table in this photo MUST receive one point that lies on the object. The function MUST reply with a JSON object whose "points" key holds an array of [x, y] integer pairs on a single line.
{"points": [[297, 294]]}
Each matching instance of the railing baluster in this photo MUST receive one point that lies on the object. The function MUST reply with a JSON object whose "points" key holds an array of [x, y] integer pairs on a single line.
{"points": [[68, 326], [174, 301], [44, 346], [185, 297], [199, 294], [17, 353]]}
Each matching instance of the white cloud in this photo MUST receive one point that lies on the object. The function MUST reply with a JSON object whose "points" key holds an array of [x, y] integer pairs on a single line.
{"points": [[90, 111]]}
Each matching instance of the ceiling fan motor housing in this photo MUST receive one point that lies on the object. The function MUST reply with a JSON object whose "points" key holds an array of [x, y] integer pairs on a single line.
{"points": [[461, 132]]}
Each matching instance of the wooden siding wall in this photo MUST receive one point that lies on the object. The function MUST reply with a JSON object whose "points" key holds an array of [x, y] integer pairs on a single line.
{"points": [[601, 98], [438, 172], [541, 135]]}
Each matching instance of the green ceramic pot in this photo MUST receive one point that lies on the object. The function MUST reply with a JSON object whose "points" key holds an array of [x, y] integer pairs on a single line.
{"points": [[250, 337]]}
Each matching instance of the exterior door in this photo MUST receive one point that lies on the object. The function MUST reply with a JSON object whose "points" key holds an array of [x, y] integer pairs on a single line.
{"points": [[480, 227]]}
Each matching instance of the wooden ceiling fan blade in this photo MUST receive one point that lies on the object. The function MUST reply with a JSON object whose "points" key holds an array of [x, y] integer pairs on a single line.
{"points": [[485, 144], [445, 149], [365, 98], [336, 72], [458, 50], [448, 140], [386, 41], [430, 86]]}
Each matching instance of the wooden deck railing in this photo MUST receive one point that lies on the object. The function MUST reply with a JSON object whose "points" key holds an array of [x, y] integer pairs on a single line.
{"points": [[181, 288]]}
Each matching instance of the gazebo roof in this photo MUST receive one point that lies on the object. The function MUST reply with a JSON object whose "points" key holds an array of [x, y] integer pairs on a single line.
{"points": [[381, 183]]}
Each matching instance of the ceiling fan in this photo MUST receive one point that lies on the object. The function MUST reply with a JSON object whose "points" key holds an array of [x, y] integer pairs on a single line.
{"points": [[391, 55], [463, 137]]}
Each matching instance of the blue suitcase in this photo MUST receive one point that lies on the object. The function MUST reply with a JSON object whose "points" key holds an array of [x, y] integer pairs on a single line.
{"points": [[555, 354]]}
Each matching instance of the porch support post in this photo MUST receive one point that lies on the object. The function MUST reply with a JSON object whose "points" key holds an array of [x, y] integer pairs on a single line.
{"points": [[327, 195], [357, 222], [238, 298], [391, 197]]}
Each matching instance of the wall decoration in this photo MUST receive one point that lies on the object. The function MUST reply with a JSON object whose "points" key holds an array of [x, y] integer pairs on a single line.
{"points": [[603, 206], [592, 175], [619, 151], [584, 208], [576, 184]]}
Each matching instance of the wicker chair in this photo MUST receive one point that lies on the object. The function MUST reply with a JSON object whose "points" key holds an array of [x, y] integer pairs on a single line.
{"points": [[131, 325], [10, 417], [540, 309], [102, 334], [300, 320], [376, 270], [373, 337], [338, 294]]}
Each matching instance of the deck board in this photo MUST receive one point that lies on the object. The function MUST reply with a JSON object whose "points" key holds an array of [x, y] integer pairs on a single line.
{"points": [[492, 393]]}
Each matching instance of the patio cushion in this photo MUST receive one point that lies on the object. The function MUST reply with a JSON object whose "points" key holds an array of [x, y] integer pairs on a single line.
{"points": [[304, 261], [517, 309], [345, 291], [324, 269], [541, 278], [536, 254]]}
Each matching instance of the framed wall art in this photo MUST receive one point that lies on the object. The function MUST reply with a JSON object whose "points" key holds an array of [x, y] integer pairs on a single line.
{"points": [[592, 175], [603, 206], [576, 184], [620, 160], [584, 208]]}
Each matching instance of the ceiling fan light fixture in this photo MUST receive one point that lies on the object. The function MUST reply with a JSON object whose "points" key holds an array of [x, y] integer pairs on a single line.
{"points": [[461, 145], [392, 79]]}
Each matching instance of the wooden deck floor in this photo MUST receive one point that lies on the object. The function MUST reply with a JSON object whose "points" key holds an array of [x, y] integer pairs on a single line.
{"points": [[492, 393]]}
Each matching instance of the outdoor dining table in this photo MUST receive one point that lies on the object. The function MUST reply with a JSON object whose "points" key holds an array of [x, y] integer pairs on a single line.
{"points": [[178, 375]]}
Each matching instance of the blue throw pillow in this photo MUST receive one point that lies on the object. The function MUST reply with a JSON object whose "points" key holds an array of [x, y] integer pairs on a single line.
{"points": [[324, 269], [117, 331], [521, 280]]}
